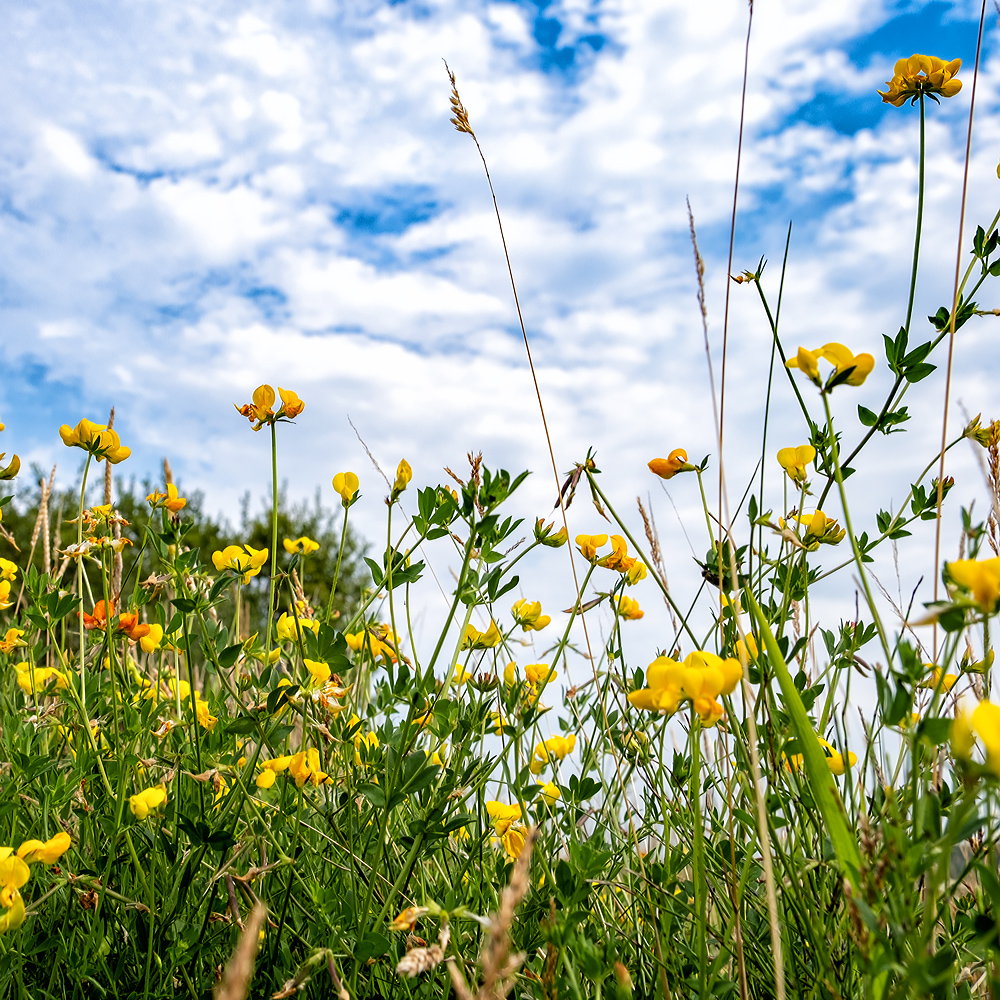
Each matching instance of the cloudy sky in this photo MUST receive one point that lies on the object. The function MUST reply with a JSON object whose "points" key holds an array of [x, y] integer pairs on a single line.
{"points": [[199, 197]]}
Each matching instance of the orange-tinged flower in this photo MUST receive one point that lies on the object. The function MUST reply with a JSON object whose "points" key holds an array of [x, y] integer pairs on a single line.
{"points": [[408, 918], [166, 501], [291, 405], [346, 484], [99, 619], [620, 561], [260, 411], [629, 609], [795, 460], [921, 75], [46, 853], [667, 468], [11, 640], [129, 624]]}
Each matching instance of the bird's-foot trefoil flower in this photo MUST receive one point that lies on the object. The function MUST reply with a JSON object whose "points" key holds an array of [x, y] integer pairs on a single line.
{"points": [[529, 615], [347, 485], [847, 367], [921, 75], [667, 468], [795, 460]]}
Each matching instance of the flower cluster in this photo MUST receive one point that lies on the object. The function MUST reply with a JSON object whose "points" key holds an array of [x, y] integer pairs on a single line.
{"points": [[261, 410], [529, 615], [549, 751], [847, 367], [701, 679], [919, 76], [617, 559], [245, 560], [95, 439], [14, 873]]}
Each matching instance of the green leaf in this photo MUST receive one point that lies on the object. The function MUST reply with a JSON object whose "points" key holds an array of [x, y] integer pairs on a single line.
{"points": [[867, 417], [374, 794], [816, 769]]}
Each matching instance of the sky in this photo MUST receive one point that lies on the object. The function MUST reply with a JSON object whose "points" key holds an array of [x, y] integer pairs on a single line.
{"points": [[196, 198]]}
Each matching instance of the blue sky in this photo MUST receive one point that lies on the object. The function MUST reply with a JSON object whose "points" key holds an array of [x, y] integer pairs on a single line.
{"points": [[199, 197]]}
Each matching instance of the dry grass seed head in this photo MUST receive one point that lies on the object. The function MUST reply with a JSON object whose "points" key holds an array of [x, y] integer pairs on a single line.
{"points": [[236, 979]]}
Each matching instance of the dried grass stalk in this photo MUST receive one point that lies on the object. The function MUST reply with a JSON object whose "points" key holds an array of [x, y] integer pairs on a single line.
{"points": [[236, 979]]}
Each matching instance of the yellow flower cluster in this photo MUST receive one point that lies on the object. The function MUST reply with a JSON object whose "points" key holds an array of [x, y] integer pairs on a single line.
{"points": [[96, 439], [701, 679], [147, 801], [302, 766], [246, 560], [617, 559], [304, 546], [472, 638], [14, 873], [379, 639], [261, 412], [169, 501], [529, 615], [628, 608], [921, 75], [857, 367], [509, 832], [549, 751]]}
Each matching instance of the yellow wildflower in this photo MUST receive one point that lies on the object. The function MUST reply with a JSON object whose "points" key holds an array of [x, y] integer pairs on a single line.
{"points": [[291, 405], [47, 852], [589, 544], [472, 638], [147, 801], [246, 560], [403, 476], [921, 75], [346, 484], [667, 468], [301, 545], [96, 439], [981, 577], [795, 460], [860, 366], [167, 501], [529, 615], [502, 815], [550, 793], [549, 751], [629, 609]]}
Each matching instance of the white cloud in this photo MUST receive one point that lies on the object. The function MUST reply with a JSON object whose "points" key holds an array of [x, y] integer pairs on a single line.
{"points": [[226, 194]]}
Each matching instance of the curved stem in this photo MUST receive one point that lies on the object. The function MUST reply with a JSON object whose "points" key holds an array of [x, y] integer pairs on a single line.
{"points": [[79, 579]]}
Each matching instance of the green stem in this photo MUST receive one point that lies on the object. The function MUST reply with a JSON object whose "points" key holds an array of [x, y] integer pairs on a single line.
{"points": [[336, 572], [274, 544], [79, 578], [859, 562]]}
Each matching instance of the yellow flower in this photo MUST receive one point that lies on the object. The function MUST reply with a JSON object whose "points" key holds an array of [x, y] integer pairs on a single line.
{"points": [[529, 615], [921, 75], [474, 639], [629, 609], [48, 852], [304, 767], [151, 641], [589, 544], [15, 914], [247, 562], [8, 569], [502, 815], [168, 501], [320, 672], [667, 468], [10, 471], [620, 561], [286, 629], [205, 718], [981, 577], [550, 793], [834, 761], [938, 679], [408, 918], [291, 406], [259, 412], [538, 673], [265, 779], [555, 748], [346, 484], [11, 640], [820, 528], [795, 460], [403, 476], [34, 681], [147, 801], [860, 366], [95, 439], [510, 677], [301, 545], [513, 841]]}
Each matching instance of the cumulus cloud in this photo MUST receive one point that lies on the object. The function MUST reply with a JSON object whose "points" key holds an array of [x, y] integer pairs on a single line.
{"points": [[201, 197]]}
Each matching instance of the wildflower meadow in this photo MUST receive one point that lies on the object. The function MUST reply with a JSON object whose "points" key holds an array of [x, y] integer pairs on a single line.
{"points": [[229, 767]]}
